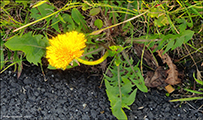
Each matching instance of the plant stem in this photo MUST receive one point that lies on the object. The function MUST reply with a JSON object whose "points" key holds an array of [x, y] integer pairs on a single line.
{"points": [[96, 62], [64, 8]]}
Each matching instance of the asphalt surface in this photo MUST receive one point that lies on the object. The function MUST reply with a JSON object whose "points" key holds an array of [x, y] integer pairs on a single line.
{"points": [[72, 95]]}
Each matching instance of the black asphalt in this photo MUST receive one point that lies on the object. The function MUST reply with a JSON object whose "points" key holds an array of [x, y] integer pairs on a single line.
{"points": [[72, 95]]}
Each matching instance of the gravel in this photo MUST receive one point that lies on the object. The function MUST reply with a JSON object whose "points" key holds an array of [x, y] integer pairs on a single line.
{"points": [[74, 95]]}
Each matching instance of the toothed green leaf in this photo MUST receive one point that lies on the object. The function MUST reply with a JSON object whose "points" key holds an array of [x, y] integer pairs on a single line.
{"points": [[119, 87], [33, 46]]}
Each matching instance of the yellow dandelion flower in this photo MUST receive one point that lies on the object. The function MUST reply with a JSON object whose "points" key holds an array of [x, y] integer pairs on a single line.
{"points": [[64, 48]]}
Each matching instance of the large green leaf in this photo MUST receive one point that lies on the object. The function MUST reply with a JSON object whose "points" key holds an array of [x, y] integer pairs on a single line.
{"points": [[187, 35], [184, 37], [79, 18], [134, 74], [42, 11], [33, 46], [116, 103], [69, 22], [45, 10], [120, 87], [173, 41], [117, 111]]}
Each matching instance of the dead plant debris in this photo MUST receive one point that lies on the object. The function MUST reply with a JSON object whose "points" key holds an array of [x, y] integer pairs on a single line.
{"points": [[159, 77]]}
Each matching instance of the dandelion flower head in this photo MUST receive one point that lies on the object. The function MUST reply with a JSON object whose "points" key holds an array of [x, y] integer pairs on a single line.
{"points": [[64, 48]]}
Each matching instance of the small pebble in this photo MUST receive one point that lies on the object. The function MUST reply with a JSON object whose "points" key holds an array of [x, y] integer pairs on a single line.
{"points": [[140, 107], [84, 105]]}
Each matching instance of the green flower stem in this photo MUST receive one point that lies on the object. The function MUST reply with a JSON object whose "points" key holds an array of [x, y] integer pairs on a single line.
{"points": [[96, 62]]}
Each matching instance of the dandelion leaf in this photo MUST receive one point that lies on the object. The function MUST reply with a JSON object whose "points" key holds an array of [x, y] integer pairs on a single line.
{"points": [[33, 46], [79, 18], [120, 86]]}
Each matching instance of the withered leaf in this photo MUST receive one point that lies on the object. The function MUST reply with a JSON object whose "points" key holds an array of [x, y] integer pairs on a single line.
{"points": [[172, 72], [155, 79]]}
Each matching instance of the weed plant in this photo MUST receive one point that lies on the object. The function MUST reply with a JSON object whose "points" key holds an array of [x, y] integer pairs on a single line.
{"points": [[111, 27]]}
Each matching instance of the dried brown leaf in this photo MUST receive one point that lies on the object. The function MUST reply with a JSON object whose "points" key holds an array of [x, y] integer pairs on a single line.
{"points": [[172, 72], [155, 79]]}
